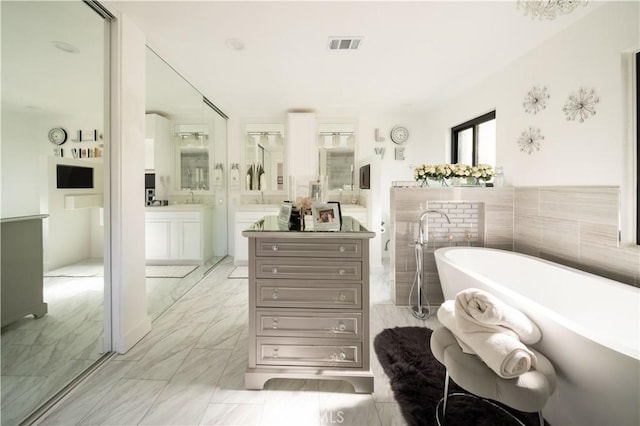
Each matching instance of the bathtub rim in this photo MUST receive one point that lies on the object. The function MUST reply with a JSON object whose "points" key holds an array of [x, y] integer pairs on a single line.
{"points": [[598, 338]]}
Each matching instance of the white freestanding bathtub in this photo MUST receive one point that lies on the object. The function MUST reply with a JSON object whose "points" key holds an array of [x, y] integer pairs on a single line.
{"points": [[590, 328]]}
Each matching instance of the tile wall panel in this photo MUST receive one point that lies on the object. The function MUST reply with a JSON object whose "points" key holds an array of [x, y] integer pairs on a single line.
{"points": [[574, 226], [486, 212], [577, 227]]}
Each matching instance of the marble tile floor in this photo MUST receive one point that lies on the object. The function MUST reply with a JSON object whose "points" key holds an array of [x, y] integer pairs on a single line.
{"points": [[189, 370], [40, 356]]}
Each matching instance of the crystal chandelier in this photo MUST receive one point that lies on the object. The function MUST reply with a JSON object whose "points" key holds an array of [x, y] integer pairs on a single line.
{"points": [[548, 9]]}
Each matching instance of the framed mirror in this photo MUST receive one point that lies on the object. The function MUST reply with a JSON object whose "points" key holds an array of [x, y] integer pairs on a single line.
{"points": [[263, 157], [192, 142], [336, 151]]}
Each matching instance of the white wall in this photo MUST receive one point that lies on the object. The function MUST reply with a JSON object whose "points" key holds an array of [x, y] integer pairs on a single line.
{"points": [[588, 54], [128, 286], [29, 182], [20, 166]]}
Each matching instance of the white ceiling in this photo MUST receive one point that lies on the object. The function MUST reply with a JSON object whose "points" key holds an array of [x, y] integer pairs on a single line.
{"points": [[414, 54]]}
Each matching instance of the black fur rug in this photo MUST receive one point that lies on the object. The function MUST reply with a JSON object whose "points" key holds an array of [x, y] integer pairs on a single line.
{"points": [[417, 381]]}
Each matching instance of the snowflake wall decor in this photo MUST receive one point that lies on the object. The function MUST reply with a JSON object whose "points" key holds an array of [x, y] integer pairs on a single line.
{"points": [[530, 139], [536, 100], [581, 105]]}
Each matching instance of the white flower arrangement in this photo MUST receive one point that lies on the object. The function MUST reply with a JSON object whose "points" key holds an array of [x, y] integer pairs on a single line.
{"points": [[444, 171]]}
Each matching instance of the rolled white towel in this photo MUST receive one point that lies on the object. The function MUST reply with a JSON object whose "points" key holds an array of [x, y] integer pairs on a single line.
{"points": [[479, 311], [447, 317], [507, 356]]}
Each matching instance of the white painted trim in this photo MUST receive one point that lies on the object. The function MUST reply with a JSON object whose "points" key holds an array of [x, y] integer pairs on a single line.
{"points": [[128, 287]]}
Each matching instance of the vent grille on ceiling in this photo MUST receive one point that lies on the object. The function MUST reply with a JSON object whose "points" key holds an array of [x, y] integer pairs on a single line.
{"points": [[344, 43]]}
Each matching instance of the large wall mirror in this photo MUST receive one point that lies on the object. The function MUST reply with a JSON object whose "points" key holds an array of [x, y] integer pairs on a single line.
{"points": [[185, 156], [54, 231], [263, 155], [336, 150], [178, 140]]}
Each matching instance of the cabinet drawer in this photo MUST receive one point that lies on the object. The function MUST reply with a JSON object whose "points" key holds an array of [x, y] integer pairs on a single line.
{"points": [[307, 352], [309, 324], [308, 269], [309, 294], [313, 248]]}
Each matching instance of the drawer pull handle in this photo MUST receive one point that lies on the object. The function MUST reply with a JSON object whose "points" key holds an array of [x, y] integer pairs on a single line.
{"points": [[341, 326], [342, 249], [342, 356], [342, 297], [274, 247], [342, 272], [275, 353], [275, 294], [274, 270], [275, 324]]}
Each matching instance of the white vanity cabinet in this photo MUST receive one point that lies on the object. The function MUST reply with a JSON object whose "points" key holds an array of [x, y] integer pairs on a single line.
{"points": [[309, 304], [178, 235], [357, 212], [245, 216]]}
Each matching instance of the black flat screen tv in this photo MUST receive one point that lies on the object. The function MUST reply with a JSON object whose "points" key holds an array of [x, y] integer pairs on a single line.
{"points": [[149, 180], [74, 176]]}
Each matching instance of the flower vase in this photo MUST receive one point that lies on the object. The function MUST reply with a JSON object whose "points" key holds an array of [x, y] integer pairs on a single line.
{"points": [[439, 182]]}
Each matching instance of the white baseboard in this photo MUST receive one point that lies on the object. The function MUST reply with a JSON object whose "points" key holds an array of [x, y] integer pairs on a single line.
{"points": [[133, 336]]}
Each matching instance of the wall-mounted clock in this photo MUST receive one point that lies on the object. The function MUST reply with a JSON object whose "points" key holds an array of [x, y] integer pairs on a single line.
{"points": [[399, 134], [58, 135]]}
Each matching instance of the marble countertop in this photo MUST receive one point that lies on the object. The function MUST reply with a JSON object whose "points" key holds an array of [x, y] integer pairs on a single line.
{"points": [[270, 226], [179, 207]]}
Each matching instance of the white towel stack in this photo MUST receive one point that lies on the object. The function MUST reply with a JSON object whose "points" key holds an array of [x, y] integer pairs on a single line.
{"points": [[491, 329]]}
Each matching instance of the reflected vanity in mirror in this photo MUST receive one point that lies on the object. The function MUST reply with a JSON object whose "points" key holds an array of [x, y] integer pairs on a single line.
{"points": [[336, 142], [192, 142], [264, 157]]}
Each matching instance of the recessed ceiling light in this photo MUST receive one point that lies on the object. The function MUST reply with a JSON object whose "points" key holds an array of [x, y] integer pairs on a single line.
{"points": [[234, 43], [65, 47]]}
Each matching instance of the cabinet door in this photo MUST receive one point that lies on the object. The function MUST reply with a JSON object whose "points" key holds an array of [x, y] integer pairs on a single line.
{"points": [[158, 239], [241, 247], [191, 240]]}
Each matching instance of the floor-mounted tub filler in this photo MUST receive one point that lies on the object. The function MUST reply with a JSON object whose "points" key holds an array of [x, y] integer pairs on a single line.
{"points": [[422, 308], [590, 328]]}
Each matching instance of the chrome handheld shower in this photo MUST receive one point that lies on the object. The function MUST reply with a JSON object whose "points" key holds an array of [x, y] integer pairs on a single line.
{"points": [[418, 310]]}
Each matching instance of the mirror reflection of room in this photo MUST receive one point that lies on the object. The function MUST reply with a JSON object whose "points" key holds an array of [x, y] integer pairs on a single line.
{"points": [[336, 142], [264, 157], [194, 157]]}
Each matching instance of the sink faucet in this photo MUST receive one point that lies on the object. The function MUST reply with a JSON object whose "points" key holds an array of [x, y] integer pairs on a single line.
{"points": [[191, 194], [261, 197], [423, 236]]}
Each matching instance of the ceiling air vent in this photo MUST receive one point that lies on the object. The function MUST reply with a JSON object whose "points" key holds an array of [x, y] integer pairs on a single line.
{"points": [[344, 43]]}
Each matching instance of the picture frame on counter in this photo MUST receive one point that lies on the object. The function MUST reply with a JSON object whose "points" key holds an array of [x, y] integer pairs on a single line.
{"points": [[284, 214], [326, 217], [337, 203]]}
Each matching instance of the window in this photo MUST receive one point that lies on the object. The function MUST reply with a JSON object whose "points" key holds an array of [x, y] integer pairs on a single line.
{"points": [[474, 142]]}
